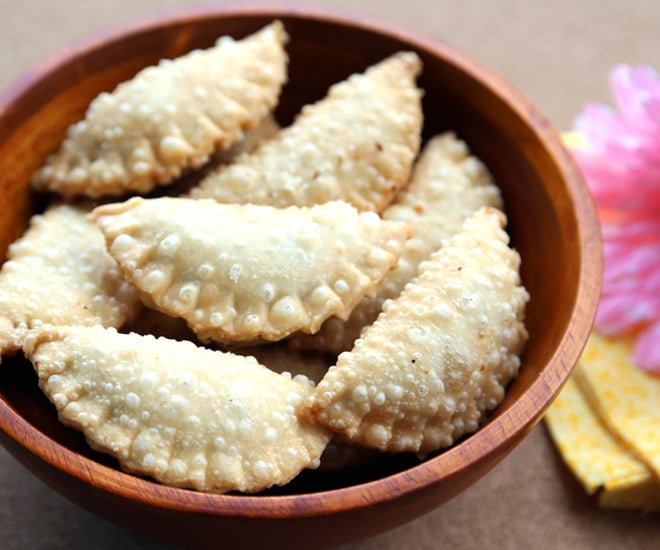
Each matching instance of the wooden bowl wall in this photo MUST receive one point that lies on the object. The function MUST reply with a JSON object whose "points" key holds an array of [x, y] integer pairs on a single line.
{"points": [[551, 221]]}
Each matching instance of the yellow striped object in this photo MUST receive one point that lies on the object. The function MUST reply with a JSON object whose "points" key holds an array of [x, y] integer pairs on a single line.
{"points": [[606, 425]]}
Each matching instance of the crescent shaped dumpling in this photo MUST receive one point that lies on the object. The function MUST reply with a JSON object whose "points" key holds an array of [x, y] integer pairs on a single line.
{"points": [[60, 272], [439, 357], [356, 145], [169, 117], [244, 272], [448, 184], [184, 415]]}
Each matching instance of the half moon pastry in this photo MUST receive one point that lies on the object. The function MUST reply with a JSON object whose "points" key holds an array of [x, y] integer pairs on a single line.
{"points": [[356, 145], [184, 415], [439, 357], [169, 117], [60, 272], [243, 272], [448, 184]]}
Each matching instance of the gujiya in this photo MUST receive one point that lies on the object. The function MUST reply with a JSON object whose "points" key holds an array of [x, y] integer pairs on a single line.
{"points": [[169, 117], [238, 272], [440, 356], [185, 426], [184, 415]]}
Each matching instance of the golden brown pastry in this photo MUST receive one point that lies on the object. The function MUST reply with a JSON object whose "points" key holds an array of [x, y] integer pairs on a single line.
{"points": [[60, 272], [356, 145], [448, 185], [243, 272], [169, 117], [184, 415], [440, 356]]}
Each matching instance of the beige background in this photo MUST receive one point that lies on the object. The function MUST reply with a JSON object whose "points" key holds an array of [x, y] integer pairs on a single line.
{"points": [[558, 54]]}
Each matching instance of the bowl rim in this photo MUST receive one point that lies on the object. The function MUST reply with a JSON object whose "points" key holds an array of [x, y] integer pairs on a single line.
{"points": [[507, 427]]}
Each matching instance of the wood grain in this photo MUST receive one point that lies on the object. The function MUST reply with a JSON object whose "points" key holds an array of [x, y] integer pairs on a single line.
{"points": [[551, 221]]}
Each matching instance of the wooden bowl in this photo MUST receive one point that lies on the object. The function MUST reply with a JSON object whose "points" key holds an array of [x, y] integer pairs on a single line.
{"points": [[551, 221]]}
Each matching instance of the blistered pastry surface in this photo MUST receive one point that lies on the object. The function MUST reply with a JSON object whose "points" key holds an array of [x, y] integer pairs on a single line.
{"points": [[184, 415], [169, 117], [448, 184], [239, 272], [439, 357], [356, 145], [60, 272]]}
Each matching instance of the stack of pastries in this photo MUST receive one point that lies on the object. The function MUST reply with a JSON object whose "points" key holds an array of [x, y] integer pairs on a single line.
{"points": [[324, 292]]}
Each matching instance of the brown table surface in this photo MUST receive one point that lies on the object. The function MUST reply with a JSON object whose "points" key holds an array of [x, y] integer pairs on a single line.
{"points": [[558, 54]]}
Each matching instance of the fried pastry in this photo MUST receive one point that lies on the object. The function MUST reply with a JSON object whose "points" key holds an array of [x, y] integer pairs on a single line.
{"points": [[184, 415], [439, 357], [448, 185], [60, 272], [243, 272], [356, 145], [169, 117]]}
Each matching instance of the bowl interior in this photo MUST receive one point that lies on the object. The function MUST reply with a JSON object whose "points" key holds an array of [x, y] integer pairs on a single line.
{"points": [[551, 221]]}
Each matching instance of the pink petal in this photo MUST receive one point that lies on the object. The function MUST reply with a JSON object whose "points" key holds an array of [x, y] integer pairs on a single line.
{"points": [[616, 184], [647, 349], [635, 89], [621, 313], [621, 164]]}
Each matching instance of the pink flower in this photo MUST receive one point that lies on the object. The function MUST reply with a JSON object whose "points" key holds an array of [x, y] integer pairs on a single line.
{"points": [[621, 162]]}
